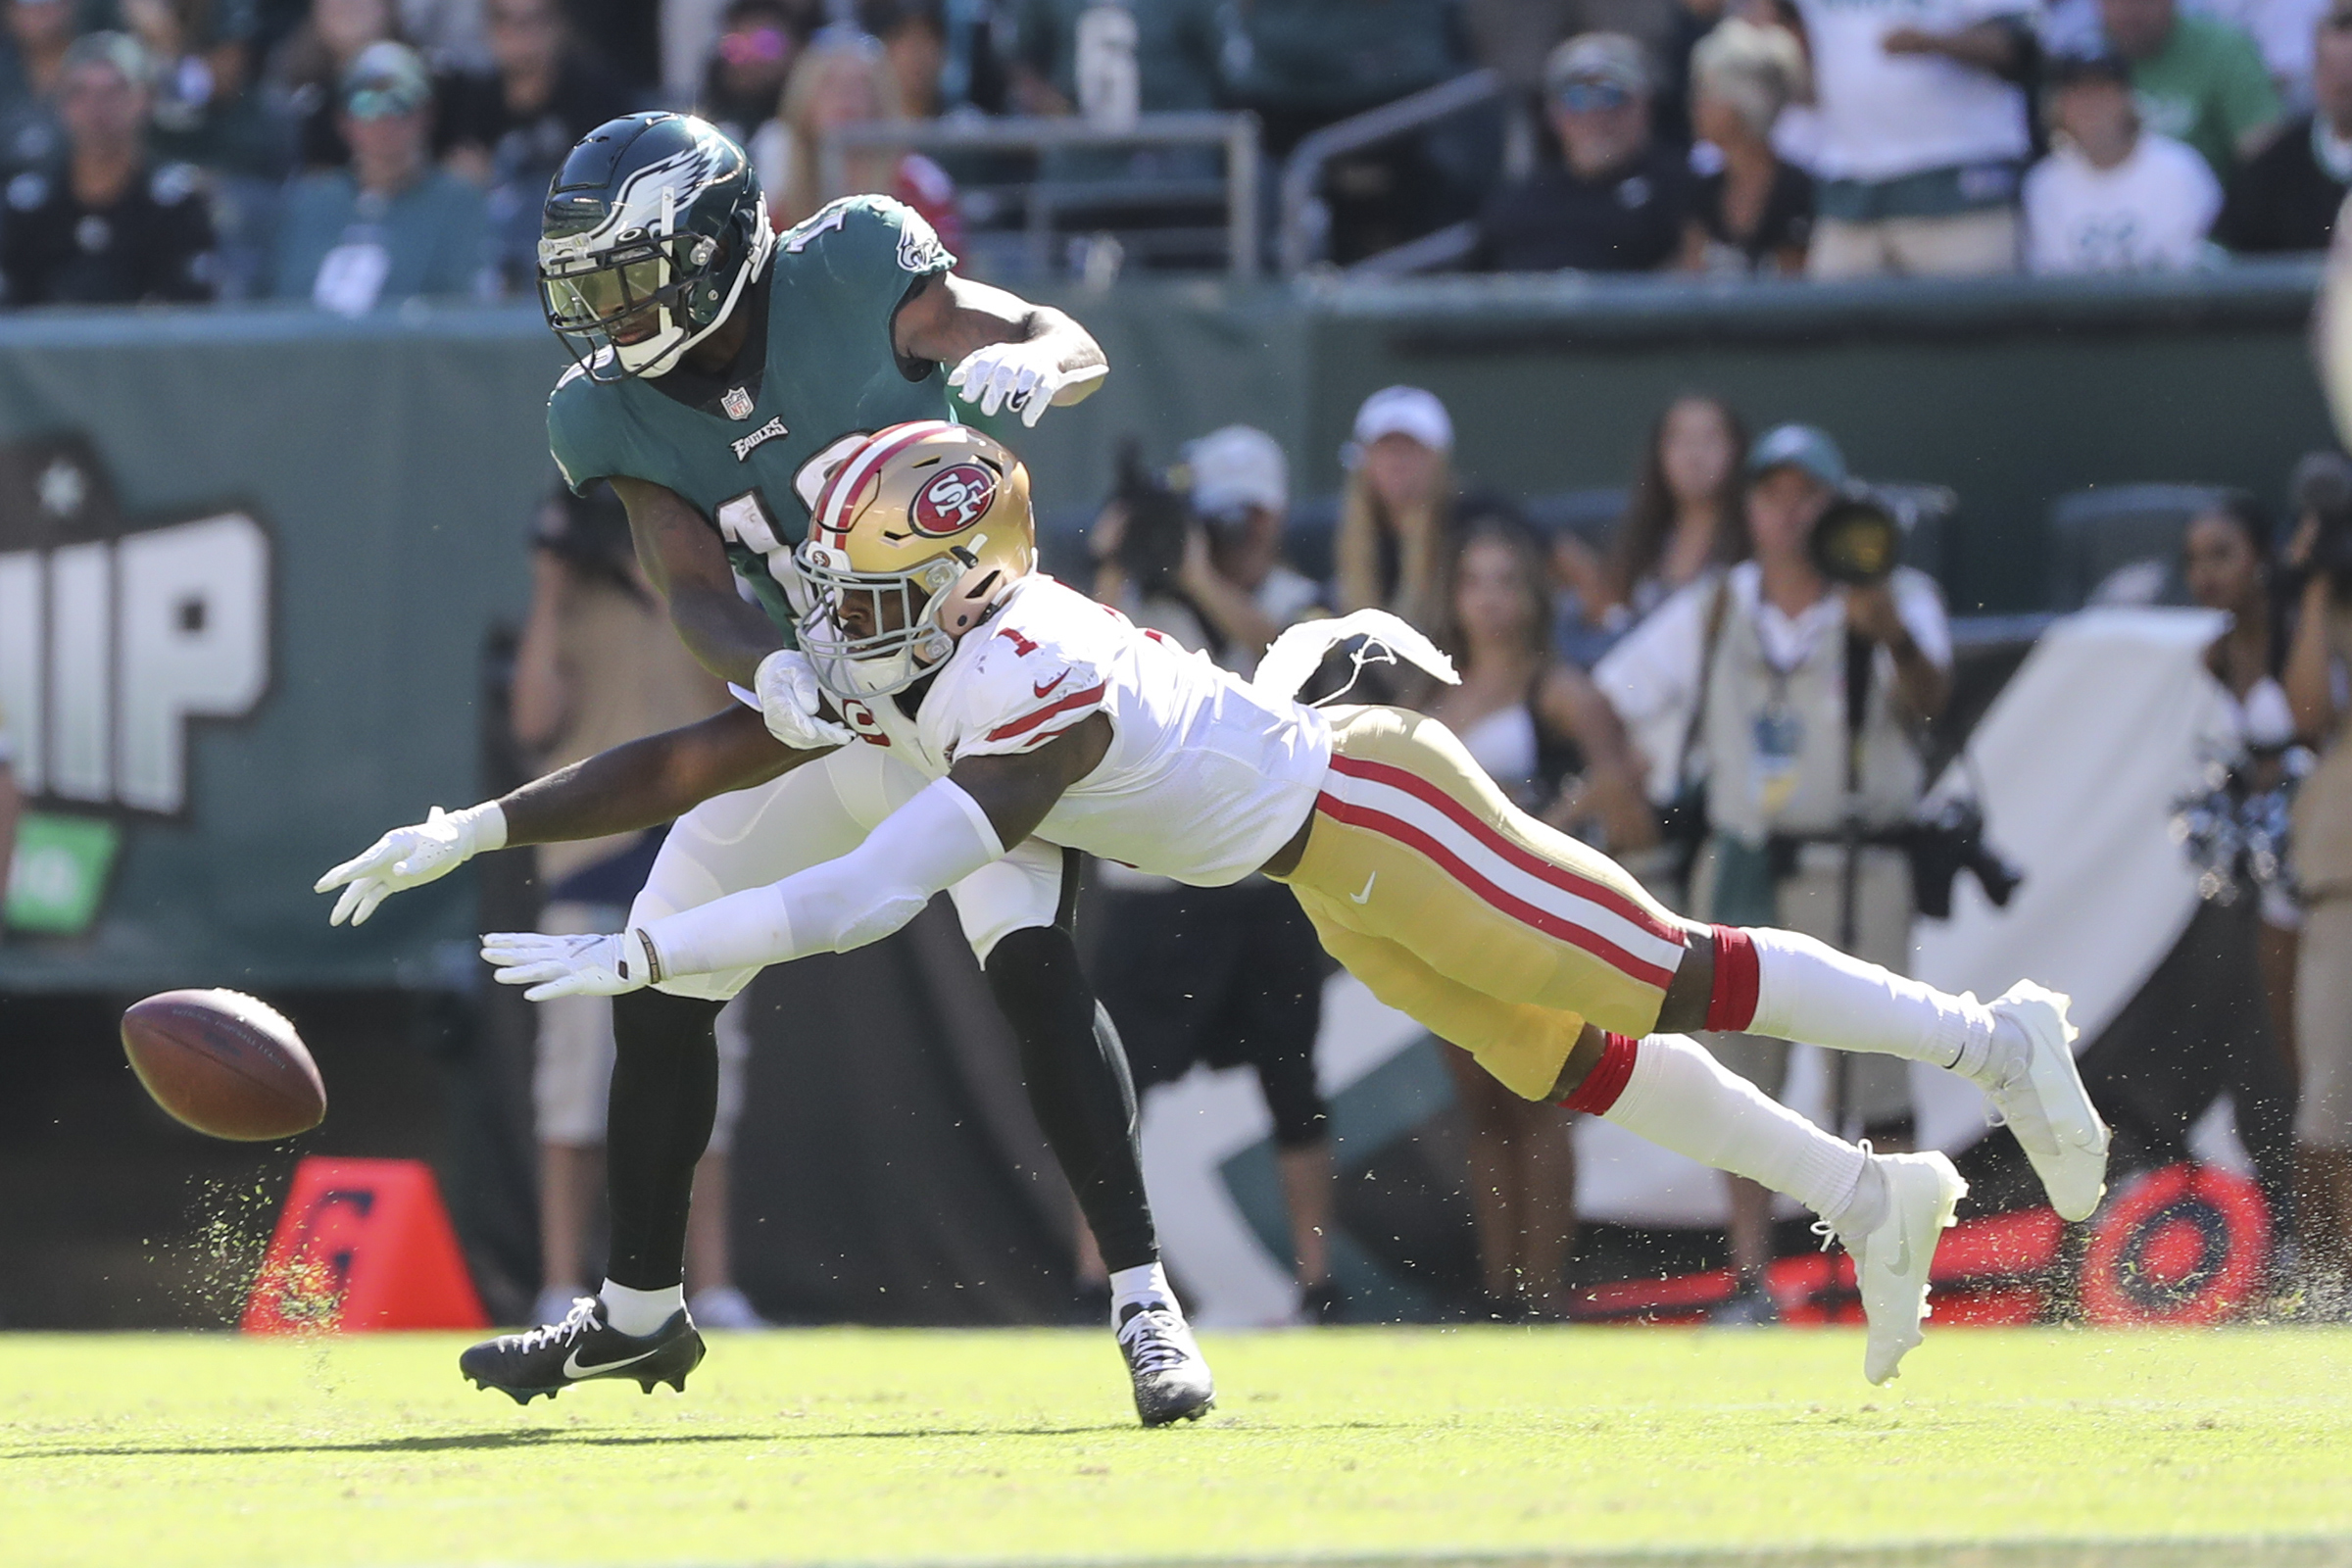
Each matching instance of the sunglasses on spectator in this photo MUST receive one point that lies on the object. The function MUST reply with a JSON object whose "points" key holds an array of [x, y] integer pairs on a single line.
{"points": [[752, 46], [1579, 97]]}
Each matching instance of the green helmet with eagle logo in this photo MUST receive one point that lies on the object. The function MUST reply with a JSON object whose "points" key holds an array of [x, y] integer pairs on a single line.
{"points": [[653, 228]]}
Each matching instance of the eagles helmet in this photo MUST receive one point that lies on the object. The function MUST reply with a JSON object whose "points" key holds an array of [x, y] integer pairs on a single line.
{"points": [[917, 534], [653, 227]]}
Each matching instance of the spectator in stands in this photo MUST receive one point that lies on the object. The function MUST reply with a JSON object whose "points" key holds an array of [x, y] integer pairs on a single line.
{"points": [[1397, 513], [844, 78], [1547, 736], [2286, 196], [1921, 135], [308, 69], [37, 36], [1686, 517], [914, 40], [597, 667], [1230, 976], [1751, 669], [509, 128], [2314, 680], [2112, 197], [750, 62], [2198, 79], [1515, 36], [203, 113], [392, 226], [1111, 61], [112, 228], [1752, 209], [1619, 202]]}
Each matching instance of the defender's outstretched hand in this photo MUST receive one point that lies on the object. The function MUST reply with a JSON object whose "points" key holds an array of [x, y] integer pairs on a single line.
{"points": [[787, 689], [565, 966], [1025, 378], [411, 857]]}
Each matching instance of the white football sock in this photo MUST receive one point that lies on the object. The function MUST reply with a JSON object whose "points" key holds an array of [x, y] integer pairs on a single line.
{"points": [[1146, 1284], [1810, 992], [1680, 1098], [638, 1313]]}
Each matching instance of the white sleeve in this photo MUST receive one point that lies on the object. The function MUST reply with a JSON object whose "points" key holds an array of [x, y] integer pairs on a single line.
{"points": [[1032, 680], [930, 844], [1654, 669], [1920, 605]]}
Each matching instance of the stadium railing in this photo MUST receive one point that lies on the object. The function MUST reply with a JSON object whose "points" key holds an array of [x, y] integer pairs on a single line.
{"points": [[1303, 237], [1134, 207]]}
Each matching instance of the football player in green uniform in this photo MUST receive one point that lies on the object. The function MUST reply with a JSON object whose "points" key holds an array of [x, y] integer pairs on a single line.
{"points": [[721, 371]]}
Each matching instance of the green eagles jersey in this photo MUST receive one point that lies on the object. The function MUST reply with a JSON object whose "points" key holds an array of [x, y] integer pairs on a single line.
{"points": [[742, 455]]}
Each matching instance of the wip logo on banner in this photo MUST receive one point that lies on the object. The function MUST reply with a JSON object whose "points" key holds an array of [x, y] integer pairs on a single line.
{"points": [[116, 631]]}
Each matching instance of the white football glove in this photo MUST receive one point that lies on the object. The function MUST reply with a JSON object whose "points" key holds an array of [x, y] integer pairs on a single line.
{"points": [[1024, 378], [567, 966], [788, 693], [411, 857]]}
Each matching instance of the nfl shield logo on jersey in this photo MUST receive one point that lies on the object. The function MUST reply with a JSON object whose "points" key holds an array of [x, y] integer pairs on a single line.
{"points": [[737, 403]]}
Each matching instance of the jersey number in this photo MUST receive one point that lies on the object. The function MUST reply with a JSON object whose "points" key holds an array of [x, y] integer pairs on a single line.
{"points": [[830, 219]]}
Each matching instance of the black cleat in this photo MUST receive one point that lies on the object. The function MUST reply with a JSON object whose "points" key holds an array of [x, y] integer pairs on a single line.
{"points": [[1172, 1382], [552, 1357]]}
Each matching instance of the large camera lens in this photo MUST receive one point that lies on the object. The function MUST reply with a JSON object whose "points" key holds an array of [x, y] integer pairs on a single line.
{"points": [[1857, 541]]}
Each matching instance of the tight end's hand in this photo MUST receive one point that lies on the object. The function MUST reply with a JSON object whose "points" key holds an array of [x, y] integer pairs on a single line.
{"points": [[565, 966], [1025, 378], [411, 857]]}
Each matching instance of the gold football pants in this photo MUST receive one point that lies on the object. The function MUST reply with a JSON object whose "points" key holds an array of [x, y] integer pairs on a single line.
{"points": [[1502, 935]]}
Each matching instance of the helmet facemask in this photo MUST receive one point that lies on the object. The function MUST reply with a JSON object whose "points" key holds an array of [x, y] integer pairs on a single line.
{"points": [[632, 302], [908, 621]]}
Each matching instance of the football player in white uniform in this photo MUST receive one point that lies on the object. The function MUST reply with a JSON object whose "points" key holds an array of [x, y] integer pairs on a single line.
{"points": [[1034, 710]]}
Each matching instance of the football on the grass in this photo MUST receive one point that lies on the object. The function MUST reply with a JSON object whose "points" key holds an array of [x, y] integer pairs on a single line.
{"points": [[226, 1063]]}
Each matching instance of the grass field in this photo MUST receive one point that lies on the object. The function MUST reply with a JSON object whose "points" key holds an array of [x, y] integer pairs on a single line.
{"points": [[153, 1451]]}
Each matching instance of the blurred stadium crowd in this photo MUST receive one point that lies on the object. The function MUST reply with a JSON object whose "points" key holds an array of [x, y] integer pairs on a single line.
{"points": [[355, 153]]}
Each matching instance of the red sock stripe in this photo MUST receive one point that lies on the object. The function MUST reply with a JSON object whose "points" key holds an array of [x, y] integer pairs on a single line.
{"points": [[1606, 1081], [1733, 1003]]}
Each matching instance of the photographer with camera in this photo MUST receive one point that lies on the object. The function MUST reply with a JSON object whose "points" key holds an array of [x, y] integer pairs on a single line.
{"points": [[1799, 679], [2321, 859], [1227, 976]]}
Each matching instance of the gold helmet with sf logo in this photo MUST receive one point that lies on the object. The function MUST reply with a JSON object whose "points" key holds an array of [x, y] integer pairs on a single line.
{"points": [[913, 541]]}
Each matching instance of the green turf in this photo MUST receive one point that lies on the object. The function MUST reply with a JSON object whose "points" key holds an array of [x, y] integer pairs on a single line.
{"points": [[878, 1447]]}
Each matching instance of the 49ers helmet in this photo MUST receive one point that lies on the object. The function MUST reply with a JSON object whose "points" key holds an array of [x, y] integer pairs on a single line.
{"points": [[913, 540]]}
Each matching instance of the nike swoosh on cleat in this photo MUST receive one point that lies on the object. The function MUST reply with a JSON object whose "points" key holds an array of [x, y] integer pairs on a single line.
{"points": [[573, 1369]]}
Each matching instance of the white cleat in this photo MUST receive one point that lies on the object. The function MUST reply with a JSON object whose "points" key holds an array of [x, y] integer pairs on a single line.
{"points": [[2040, 1096], [1892, 1261]]}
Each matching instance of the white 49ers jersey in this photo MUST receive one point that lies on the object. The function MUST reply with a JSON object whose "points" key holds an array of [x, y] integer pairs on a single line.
{"points": [[1206, 778]]}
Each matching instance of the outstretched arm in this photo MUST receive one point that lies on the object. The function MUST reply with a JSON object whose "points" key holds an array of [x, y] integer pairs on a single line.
{"points": [[626, 788], [949, 830], [1006, 352]]}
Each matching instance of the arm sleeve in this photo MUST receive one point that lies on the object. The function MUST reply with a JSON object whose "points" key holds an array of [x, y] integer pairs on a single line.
{"points": [[923, 848]]}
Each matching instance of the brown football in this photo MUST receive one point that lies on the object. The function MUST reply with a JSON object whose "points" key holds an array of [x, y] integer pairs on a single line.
{"points": [[226, 1063]]}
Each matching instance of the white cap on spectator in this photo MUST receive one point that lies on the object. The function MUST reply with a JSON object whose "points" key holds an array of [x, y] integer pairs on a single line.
{"points": [[1238, 468], [1402, 411]]}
